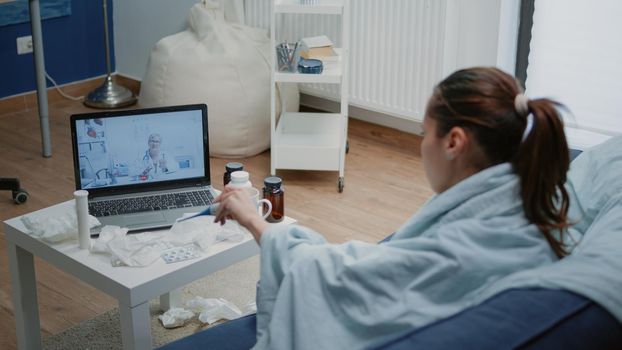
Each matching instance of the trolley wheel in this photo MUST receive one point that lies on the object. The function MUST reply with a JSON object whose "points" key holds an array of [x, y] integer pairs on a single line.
{"points": [[347, 146], [340, 184], [20, 196]]}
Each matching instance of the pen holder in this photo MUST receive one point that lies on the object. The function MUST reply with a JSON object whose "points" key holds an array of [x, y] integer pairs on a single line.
{"points": [[287, 57]]}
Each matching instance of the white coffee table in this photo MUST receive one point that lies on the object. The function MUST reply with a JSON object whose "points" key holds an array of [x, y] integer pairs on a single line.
{"points": [[133, 287]]}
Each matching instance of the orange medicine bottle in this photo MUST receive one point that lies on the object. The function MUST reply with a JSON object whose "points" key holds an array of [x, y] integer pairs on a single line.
{"points": [[273, 191]]}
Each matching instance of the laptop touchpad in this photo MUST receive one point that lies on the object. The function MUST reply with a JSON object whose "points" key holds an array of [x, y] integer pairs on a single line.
{"points": [[141, 219]]}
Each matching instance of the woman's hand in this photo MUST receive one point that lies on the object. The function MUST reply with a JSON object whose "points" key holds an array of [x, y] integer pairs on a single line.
{"points": [[236, 204]]}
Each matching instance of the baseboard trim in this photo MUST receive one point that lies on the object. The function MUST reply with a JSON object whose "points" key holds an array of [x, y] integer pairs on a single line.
{"points": [[374, 117], [27, 101], [129, 82]]}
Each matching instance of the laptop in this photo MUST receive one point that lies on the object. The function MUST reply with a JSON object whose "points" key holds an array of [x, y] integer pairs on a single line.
{"points": [[143, 168]]}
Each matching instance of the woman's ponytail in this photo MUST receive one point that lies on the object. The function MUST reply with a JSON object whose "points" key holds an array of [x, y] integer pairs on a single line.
{"points": [[511, 128], [541, 162]]}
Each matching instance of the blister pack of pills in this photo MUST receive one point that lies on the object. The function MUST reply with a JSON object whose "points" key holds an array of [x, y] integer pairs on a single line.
{"points": [[180, 253]]}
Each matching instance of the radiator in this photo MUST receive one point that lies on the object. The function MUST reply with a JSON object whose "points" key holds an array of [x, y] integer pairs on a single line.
{"points": [[396, 50]]}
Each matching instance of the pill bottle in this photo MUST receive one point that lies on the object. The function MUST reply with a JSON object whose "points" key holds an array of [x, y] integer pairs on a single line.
{"points": [[229, 168], [239, 179], [273, 191]]}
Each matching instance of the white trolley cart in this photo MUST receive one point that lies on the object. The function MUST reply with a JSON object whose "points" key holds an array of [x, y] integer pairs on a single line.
{"points": [[311, 141]]}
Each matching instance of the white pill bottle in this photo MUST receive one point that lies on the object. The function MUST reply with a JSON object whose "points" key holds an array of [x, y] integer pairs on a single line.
{"points": [[240, 179]]}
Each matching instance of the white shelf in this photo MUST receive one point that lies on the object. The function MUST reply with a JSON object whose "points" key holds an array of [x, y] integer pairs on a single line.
{"points": [[331, 73], [311, 141], [308, 141], [330, 7]]}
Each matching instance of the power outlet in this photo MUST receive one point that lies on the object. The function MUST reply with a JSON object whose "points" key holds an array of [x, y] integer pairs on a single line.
{"points": [[24, 45]]}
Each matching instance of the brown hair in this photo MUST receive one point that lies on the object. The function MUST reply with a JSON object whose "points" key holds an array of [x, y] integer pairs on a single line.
{"points": [[481, 100]]}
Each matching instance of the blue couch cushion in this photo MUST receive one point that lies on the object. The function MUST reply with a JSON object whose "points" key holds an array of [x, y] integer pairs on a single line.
{"points": [[591, 328], [520, 318]]}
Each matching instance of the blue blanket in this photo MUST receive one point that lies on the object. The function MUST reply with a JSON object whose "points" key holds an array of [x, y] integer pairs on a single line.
{"points": [[594, 269], [315, 295]]}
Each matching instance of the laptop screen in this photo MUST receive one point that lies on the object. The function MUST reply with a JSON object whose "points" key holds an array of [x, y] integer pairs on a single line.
{"points": [[141, 148]]}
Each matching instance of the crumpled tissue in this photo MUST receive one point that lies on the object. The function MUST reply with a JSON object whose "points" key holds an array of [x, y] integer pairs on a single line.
{"points": [[250, 308], [56, 229], [212, 310], [143, 249], [140, 249], [107, 233], [203, 231], [175, 317]]}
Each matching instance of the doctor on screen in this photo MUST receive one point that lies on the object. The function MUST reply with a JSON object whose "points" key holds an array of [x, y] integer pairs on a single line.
{"points": [[154, 161]]}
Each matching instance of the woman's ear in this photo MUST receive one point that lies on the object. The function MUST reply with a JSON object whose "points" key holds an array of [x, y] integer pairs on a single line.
{"points": [[456, 142]]}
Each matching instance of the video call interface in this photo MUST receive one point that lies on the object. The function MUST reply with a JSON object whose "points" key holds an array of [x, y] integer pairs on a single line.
{"points": [[140, 149]]}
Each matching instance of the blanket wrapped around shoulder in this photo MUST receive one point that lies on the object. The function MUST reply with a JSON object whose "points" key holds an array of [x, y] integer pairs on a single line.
{"points": [[315, 295], [593, 269]]}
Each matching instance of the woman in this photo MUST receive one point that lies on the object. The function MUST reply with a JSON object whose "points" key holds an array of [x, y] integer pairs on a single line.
{"points": [[497, 162]]}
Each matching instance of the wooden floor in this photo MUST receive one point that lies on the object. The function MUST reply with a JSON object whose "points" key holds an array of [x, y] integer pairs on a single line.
{"points": [[384, 185]]}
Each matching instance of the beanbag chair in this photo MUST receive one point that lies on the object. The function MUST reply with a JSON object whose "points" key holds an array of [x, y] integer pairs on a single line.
{"points": [[225, 65]]}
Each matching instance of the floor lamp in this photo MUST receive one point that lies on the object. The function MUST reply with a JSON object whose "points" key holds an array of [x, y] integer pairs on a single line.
{"points": [[109, 94], [42, 92]]}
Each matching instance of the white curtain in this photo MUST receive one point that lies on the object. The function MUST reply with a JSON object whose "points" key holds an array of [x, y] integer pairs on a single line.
{"points": [[576, 58]]}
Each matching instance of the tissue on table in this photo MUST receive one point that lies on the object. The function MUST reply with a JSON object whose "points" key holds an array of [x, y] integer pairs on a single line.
{"points": [[107, 233], [212, 310], [141, 249], [145, 248], [203, 231], [55, 229]]}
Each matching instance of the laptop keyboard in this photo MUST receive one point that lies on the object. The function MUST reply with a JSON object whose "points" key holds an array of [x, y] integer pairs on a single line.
{"points": [[151, 203]]}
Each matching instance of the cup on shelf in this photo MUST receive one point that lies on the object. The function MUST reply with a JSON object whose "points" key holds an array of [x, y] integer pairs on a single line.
{"points": [[287, 56]]}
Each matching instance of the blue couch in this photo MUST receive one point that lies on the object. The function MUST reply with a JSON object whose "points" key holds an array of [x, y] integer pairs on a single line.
{"points": [[532, 318], [515, 319]]}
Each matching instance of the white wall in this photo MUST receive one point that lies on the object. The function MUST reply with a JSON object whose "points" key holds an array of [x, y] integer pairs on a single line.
{"points": [[139, 24], [481, 33], [509, 18], [575, 55]]}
